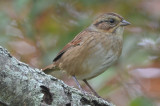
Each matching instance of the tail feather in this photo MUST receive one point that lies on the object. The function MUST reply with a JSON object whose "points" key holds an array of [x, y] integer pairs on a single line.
{"points": [[51, 67]]}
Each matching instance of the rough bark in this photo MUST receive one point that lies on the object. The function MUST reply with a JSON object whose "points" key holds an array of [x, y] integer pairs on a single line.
{"points": [[21, 85]]}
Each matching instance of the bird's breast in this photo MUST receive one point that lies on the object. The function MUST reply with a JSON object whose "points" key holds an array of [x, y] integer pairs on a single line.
{"points": [[102, 53]]}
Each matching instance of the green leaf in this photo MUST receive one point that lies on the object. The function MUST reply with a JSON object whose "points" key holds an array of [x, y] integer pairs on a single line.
{"points": [[141, 101]]}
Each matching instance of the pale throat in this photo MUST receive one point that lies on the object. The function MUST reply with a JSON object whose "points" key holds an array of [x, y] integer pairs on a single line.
{"points": [[119, 31]]}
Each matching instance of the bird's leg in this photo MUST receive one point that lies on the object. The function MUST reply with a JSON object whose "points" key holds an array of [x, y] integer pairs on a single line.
{"points": [[75, 79], [95, 93]]}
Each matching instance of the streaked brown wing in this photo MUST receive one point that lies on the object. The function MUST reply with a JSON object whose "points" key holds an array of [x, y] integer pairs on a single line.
{"points": [[75, 42]]}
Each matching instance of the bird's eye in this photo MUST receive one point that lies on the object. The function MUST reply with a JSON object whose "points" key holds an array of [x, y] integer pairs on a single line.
{"points": [[111, 21]]}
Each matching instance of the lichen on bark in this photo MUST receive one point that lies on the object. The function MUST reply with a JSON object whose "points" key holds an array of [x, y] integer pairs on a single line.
{"points": [[22, 85]]}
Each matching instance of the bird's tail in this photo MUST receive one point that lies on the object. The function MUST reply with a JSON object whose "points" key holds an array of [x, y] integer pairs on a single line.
{"points": [[49, 68]]}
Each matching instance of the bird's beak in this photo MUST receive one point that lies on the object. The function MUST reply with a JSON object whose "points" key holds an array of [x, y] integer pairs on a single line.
{"points": [[124, 23]]}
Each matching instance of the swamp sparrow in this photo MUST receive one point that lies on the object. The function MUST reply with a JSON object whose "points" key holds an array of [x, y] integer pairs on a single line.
{"points": [[93, 50]]}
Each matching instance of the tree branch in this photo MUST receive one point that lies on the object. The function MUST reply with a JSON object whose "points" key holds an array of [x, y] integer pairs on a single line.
{"points": [[24, 86]]}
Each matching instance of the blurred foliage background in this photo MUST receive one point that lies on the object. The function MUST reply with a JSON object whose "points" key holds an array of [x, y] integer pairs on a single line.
{"points": [[35, 30]]}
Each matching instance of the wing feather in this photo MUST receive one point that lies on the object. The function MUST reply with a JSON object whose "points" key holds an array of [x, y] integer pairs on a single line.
{"points": [[75, 42]]}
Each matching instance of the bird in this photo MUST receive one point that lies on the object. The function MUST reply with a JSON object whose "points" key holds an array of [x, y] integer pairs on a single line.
{"points": [[93, 50]]}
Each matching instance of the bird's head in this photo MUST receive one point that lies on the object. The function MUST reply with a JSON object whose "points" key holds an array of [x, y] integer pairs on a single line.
{"points": [[110, 23]]}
